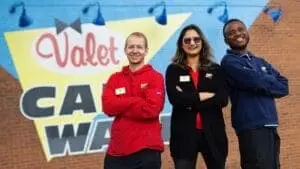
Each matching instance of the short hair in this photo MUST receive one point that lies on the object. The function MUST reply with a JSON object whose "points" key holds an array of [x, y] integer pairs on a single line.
{"points": [[138, 34], [230, 21]]}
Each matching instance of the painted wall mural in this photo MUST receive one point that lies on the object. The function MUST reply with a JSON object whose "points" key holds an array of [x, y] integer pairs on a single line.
{"points": [[62, 53]]}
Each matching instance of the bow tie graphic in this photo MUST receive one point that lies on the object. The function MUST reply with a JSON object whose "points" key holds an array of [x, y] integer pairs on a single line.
{"points": [[60, 26]]}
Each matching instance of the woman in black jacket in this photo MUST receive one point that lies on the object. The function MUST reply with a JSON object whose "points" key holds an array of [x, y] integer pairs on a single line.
{"points": [[196, 89]]}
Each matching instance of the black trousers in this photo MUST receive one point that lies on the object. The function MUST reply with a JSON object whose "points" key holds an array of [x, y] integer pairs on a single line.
{"points": [[203, 147], [259, 148], [144, 159]]}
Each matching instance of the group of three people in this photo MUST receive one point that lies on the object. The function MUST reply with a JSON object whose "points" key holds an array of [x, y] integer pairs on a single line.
{"points": [[197, 88]]}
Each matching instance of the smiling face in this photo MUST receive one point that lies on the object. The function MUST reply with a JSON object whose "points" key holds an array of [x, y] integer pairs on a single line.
{"points": [[136, 50], [191, 43], [236, 36]]}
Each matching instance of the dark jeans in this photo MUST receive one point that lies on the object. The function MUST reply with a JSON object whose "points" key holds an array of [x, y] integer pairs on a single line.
{"points": [[259, 148], [209, 159], [144, 159]]}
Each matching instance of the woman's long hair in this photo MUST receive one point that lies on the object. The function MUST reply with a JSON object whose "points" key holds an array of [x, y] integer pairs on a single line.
{"points": [[206, 58]]}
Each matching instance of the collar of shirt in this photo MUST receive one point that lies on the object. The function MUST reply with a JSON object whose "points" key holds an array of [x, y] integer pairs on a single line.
{"points": [[190, 68], [145, 68], [247, 55], [193, 74]]}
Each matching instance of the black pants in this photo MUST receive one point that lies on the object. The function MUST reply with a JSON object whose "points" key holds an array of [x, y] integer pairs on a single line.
{"points": [[144, 159], [209, 159], [259, 148]]}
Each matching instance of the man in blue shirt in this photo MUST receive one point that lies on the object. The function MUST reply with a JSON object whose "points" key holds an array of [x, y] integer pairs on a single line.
{"points": [[253, 86]]}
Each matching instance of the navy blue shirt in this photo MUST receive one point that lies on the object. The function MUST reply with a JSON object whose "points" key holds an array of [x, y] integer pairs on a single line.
{"points": [[253, 85]]}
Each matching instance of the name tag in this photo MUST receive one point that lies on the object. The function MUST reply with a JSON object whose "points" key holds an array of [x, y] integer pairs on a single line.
{"points": [[185, 78], [120, 91]]}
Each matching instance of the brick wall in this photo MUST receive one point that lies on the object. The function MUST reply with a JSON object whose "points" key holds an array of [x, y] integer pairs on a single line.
{"points": [[20, 147]]}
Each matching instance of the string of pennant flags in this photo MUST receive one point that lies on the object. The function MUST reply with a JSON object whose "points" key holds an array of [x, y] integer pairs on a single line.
{"points": [[158, 10]]}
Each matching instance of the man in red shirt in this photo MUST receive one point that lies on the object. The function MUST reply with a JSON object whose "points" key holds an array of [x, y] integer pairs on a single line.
{"points": [[134, 97]]}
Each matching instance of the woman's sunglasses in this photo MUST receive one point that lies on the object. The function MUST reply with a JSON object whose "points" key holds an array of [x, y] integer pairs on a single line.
{"points": [[188, 41]]}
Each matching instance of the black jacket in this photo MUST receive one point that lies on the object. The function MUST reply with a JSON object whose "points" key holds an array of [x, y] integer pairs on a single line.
{"points": [[187, 104]]}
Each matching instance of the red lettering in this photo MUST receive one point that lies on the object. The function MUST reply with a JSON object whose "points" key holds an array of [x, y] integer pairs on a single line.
{"points": [[90, 46], [102, 53], [112, 50], [80, 59], [59, 60], [91, 54]]}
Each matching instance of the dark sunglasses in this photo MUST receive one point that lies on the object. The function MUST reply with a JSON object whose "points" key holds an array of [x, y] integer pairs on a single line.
{"points": [[188, 41]]}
